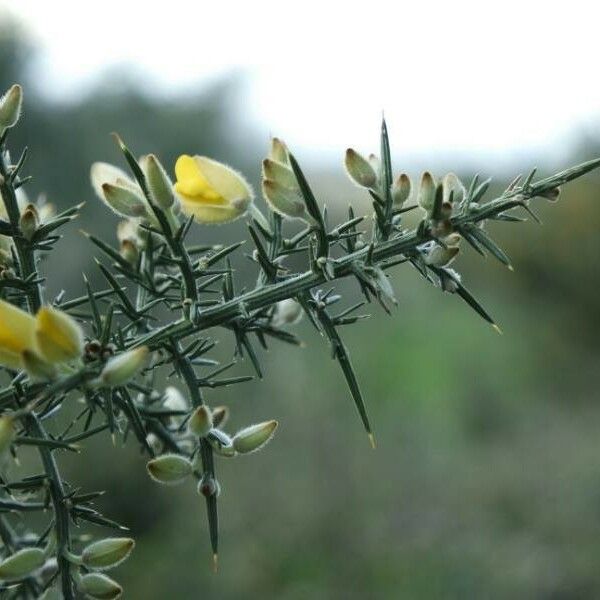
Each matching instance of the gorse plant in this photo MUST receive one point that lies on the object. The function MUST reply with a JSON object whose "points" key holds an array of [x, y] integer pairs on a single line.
{"points": [[112, 348]]}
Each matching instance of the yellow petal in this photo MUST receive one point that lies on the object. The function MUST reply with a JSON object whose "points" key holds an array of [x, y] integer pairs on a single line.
{"points": [[190, 181], [213, 213], [227, 182], [59, 338], [16, 333], [211, 191]]}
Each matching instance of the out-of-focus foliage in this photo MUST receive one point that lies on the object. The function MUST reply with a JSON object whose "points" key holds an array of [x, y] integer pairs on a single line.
{"points": [[486, 481]]}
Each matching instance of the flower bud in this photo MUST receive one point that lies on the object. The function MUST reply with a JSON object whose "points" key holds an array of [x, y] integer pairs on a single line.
{"points": [[275, 171], [37, 368], [10, 107], [359, 169], [287, 312], [22, 563], [129, 251], [107, 553], [285, 201], [401, 190], [200, 422], [453, 188], [122, 368], [129, 230], [279, 151], [220, 415], [254, 437], [123, 201], [8, 433], [58, 336], [208, 486], [99, 587], [159, 184], [169, 469], [426, 196], [29, 221]]}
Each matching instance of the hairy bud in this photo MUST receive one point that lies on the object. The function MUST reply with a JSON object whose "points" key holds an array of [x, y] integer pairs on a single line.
{"points": [[253, 438], [99, 587], [129, 251], [401, 189], [169, 469], [454, 190], [123, 201], [22, 563], [285, 201], [122, 368], [359, 169], [10, 107], [29, 221], [200, 422], [276, 171], [426, 195], [107, 553], [208, 486], [159, 184], [220, 415], [279, 151]]}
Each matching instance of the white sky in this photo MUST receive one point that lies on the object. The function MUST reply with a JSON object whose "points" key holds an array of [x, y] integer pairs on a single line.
{"points": [[494, 79]]}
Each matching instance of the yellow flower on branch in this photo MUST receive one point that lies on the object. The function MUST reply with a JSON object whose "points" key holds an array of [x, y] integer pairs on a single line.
{"points": [[17, 334], [58, 336], [52, 336], [211, 191]]}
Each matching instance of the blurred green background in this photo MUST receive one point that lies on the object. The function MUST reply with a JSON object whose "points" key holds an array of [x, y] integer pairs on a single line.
{"points": [[486, 479]]}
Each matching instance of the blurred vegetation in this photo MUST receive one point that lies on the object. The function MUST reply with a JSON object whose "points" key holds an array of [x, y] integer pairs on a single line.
{"points": [[486, 481]]}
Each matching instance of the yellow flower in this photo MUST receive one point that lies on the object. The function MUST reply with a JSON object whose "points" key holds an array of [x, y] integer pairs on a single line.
{"points": [[17, 333], [52, 335], [210, 190], [58, 336]]}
